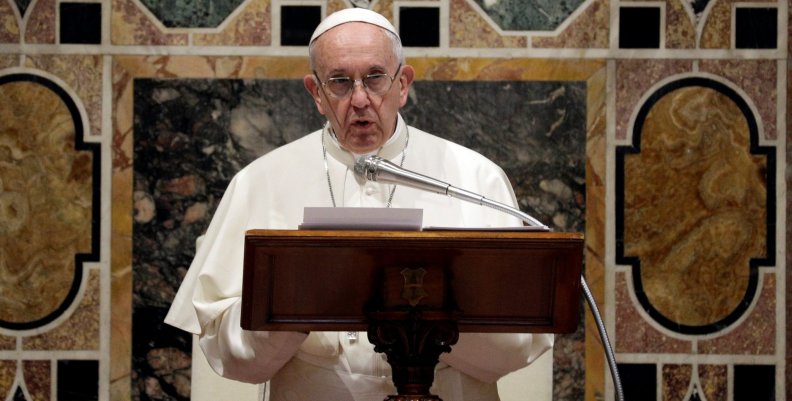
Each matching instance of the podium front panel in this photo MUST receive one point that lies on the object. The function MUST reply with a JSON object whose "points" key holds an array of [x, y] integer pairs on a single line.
{"points": [[488, 281]]}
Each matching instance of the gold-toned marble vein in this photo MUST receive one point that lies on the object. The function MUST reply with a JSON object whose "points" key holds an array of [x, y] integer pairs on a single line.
{"points": [[596, 178], [83, 74], [756, 334], [250, 27], [270, 67], [40, 27], [716, 28], [590, 30], [37, 379], [124, 72], [7, 374], [694, 206], [469, 30], [9, 25], [675, 381], [491, 69], [46, 198], [714, 381], [680, 29], [758, 79], [633, 334], [131, 26], [80, 331], [634, 77]]}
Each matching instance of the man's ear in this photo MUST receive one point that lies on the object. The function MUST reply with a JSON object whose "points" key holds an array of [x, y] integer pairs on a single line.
{"points": [[312, 86], [405, 79]]}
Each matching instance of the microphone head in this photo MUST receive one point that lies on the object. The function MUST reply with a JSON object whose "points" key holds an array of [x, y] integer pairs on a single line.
{"points": [[366, 167]]}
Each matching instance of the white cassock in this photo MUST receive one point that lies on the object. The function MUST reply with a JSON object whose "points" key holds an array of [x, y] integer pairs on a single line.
{"points": [[271, 193]]}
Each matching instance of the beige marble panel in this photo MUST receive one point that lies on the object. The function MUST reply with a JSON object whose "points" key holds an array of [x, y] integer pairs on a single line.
{"points": [[47, 199], [131, 26], [634, 77], [694, 206], [9, 25], [590, 30], [80, 331], [250, 27], [41, 22], [38, 379], [469, 30], [83, 74], [758, 79]]}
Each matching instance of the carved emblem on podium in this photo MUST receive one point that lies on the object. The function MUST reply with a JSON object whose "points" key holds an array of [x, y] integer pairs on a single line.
{"points": [[413, 290]]}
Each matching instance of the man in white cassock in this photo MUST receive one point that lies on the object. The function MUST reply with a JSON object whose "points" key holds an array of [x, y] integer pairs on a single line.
{"points": [[359, 83]]}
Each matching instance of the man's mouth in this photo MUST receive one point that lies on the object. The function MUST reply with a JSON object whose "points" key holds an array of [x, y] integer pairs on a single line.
{"points": [[361, 124]]}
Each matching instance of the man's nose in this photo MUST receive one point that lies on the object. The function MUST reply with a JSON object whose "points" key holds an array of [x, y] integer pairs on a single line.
{"points": [[360, 96]]}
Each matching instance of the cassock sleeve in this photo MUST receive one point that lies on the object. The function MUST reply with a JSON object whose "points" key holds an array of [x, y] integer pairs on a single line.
{"points": [[488, 357], [247, 356], [208, 302]]}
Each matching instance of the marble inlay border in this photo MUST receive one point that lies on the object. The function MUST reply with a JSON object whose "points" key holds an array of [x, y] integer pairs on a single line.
{"points": [[770, 222], [79, 145]]}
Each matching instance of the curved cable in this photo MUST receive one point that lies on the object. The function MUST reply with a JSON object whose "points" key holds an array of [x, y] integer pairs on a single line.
{"points": [[605, 340]]}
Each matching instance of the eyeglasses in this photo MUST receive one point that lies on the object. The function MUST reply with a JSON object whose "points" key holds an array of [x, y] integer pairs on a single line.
{"points": [[375, 84]]}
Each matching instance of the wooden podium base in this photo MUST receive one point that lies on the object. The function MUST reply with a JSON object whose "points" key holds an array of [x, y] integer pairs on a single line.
{"points": [[413, 343]]}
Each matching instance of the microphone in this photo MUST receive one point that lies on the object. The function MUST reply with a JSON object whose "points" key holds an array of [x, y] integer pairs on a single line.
{"points": [[377, 169]]}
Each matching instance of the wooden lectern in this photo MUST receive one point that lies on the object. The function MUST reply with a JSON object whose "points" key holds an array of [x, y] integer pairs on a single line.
{"points": [[412, 291]]}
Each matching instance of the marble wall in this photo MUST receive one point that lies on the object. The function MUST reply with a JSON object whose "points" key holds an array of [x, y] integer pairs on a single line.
{"points": [[656, 128]]}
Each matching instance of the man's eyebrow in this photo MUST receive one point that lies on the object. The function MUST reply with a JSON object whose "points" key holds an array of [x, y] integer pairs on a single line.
{"points": [[340, 72]]}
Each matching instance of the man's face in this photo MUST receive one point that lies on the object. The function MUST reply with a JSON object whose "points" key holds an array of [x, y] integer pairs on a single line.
{"points": [[362, 121]]}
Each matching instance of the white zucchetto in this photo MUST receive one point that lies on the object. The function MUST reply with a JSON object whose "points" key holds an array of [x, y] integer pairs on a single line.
{"points": [[352, 15]]}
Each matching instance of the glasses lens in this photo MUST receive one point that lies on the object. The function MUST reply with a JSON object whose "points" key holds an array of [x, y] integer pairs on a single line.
{"points": [[377, 83], [340, 86]]}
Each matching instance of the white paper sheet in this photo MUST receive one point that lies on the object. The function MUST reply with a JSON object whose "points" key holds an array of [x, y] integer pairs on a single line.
{"points": [[361, 218]]}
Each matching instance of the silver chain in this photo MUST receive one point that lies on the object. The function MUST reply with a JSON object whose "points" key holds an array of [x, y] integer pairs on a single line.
{"points": [[327, 169]]}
